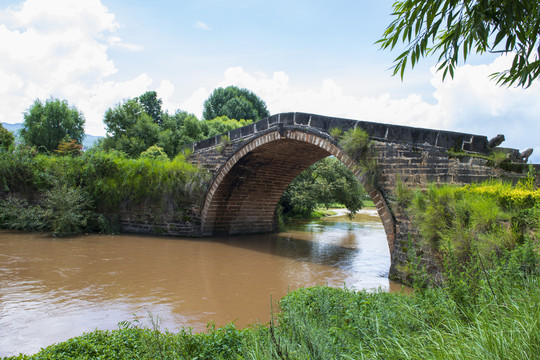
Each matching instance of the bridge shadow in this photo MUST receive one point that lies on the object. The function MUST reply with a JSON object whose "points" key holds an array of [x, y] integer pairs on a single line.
{"points": [[337, 244], [294, 247]]}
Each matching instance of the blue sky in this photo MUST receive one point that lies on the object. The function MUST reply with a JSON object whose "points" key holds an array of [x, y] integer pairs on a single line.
{"points": [[311, 56]]}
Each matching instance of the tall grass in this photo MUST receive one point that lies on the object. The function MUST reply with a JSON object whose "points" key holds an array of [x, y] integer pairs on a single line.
{"points": [[121, 180]]}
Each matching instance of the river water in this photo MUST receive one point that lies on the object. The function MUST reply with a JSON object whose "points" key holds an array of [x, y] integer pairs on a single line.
{"points": [[52, 289]]}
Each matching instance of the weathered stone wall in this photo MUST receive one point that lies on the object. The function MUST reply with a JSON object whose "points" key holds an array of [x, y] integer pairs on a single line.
{"points": [[152, 219], [416, 167]]}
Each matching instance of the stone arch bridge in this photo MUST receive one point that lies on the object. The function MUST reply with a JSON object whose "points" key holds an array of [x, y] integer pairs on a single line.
{"points": [[253, 165]]}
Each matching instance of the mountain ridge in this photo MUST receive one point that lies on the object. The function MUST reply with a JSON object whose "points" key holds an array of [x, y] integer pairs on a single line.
{"points": [[88, 142]]}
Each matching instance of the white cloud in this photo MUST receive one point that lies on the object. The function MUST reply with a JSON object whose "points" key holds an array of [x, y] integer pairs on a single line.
{"points": [[116, 42], [470, 103], [165, 91], [202, 26], [59, 48], [194, 104], [94, 101]]}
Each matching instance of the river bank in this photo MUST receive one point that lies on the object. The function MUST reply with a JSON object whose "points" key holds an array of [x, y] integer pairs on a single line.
{"points": [[329, 323], [53, 289]]}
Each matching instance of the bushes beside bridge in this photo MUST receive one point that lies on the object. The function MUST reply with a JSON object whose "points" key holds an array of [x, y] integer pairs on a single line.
{"points": [[68, 195], [469, 228]]}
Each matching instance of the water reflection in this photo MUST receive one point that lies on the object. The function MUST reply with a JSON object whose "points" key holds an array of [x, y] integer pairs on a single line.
{"points": [[52, 289]]}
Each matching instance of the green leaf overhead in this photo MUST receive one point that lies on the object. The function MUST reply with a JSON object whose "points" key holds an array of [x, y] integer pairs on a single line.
{"points": [[454, 29]]}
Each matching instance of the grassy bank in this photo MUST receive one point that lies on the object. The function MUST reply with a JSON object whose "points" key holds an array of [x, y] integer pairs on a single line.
{"points": [[323, 211], [329, 323]]}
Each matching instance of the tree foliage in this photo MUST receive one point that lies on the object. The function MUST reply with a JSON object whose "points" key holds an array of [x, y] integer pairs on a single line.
{"points": [[235, 103], [151, 105], [47, 124], [6, 138], [132, 130], [70, 147], [324, 183], [453, 29]]}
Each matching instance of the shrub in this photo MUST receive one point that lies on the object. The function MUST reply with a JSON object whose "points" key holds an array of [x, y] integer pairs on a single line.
{"points": [[69, 147], [470, 228], [225, 141], [17, 214], [155, 152], [87, 192], [336, 133], [357, 145], [19, 173], [6, 138], [68, 210]]}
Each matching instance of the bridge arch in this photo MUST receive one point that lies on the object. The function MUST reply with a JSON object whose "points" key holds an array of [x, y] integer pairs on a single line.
{"points": [[245, 190]]}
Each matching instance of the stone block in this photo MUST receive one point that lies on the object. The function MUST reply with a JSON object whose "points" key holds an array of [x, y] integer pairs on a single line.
{"points": [[205, 143], [343, 124], [447, 140], [479, 144], [274, 119], [302, 119], [374, 130], [261, 125], [235, 134], [320, 122], [287, 119], [247, 130]]}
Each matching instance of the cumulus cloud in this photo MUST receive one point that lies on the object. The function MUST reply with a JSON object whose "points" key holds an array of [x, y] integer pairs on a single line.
{"points": [[470, 103], [59, 48], [202, 26]]}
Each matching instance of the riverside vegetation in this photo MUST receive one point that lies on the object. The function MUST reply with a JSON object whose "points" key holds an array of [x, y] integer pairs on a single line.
{"points": [[69, 195], [486, 239]]}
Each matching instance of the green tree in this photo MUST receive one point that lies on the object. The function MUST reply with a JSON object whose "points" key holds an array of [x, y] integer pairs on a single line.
{"points": [[151, 105], [132, 130], [129, 128], [453, 29], [235, 103], [46, 125], [177, 130], [222, 125], [6, 138], [324, 183]]}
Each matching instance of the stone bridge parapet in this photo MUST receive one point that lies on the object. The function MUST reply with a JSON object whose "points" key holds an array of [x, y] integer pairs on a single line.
{"points": [[376, 131], [253, 165]]}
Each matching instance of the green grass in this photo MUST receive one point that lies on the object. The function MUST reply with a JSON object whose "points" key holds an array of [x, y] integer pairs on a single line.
{"points": [[330, 323], [368, 203], [68, 195]]}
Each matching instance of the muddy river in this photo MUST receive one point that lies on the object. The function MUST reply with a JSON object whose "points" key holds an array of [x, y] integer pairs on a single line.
{"points": [[52, 289]]}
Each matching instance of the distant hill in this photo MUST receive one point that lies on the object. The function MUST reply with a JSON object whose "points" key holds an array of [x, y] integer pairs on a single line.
{"points": [[14, 128], [88, 141]]}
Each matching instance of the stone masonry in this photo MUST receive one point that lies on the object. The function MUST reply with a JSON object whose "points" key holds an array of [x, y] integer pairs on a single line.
{"points": [[253, 165]]}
